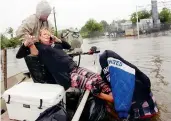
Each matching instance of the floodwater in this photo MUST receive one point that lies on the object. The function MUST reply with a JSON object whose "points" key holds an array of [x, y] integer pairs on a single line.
{"points": [[151, 55]]}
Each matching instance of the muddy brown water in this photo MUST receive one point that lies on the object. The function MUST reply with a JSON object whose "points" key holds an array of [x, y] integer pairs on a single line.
{"points": [[151, 55]]}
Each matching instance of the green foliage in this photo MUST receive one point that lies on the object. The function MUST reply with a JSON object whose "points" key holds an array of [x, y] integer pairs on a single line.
{"points": [[144, 14], [165, 16], [141, 15], [13, 42], [133, 18], [105, 25], [93, 26], [84, 32], [6, 42], [91, 29]]}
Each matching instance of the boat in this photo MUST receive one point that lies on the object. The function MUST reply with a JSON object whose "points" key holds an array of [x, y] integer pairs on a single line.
{"points": [[27, 76]]}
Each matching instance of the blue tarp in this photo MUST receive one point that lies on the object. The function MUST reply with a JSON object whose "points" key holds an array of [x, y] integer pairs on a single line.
{"points": [[122, 80]]}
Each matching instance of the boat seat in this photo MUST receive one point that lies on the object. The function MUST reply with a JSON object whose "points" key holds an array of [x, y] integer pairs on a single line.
{"points": [[38, 71]]}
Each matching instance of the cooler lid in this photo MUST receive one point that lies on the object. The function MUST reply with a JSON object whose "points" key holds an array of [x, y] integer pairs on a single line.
{"points": [[33, 92]]}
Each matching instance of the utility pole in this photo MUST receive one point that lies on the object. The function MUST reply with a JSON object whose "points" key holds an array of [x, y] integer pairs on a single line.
{"points": [[4, 67], [56, 32], [155, 15], [137, 21]]}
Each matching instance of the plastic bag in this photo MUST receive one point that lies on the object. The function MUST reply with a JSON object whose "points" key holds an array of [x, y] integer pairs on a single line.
{"points": [[54, 113], [72, 100], [95, 110]]}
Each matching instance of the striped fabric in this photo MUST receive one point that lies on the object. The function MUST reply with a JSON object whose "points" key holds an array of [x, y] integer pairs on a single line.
{"points": [[141, 112], [146, 109], [83, 78], [149, 108]]}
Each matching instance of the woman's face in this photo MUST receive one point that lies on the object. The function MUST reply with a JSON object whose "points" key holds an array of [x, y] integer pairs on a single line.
{"points": [[45, 37]]}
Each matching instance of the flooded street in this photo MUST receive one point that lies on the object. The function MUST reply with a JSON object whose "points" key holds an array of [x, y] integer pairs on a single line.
{"points": [[151, 55]]}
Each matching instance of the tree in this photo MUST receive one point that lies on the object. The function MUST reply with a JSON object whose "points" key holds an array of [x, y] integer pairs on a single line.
{"points": [[10, 31], [134, 18], [93, 28], [141, 15], [144, 14], [165, 16], [13, 42], [105, 25], [84, 32], [4, 41]]}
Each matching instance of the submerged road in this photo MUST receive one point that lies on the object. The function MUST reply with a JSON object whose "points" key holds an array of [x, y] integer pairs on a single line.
{"points": [[151, 55]]}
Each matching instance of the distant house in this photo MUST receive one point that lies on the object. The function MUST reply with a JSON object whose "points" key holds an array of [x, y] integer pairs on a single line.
{"points": [[114, 26], [120, 25], [145, 24], [126, 25]]}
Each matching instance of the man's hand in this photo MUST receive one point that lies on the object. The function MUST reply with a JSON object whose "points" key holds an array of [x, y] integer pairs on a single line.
{"points": [[29, 40]]}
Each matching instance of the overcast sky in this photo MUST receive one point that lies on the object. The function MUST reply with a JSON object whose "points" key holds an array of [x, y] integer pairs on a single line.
{"points": [[69, 13]]}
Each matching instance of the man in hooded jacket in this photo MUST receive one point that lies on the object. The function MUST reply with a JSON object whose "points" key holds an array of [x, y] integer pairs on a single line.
{"points": [[32, 24]]}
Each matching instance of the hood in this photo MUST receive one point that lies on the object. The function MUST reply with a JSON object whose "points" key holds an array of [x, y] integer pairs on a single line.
{"points": [[43, 8]]}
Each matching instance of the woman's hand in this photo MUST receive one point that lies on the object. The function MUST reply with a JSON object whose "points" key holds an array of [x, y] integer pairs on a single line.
{"points": [[55, 39], [96, 91], [29, 40]]}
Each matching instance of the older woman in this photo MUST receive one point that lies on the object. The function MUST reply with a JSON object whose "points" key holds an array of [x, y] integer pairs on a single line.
{"points": [[57, 61]]}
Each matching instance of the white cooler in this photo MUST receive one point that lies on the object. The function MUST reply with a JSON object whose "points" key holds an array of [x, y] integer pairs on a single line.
{"points": [[27, 100]]}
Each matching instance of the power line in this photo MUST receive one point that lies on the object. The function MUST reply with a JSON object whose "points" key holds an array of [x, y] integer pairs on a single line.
{"points": [[160, 5]]}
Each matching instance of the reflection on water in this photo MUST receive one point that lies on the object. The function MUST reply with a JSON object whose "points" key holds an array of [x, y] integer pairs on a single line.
{"points": [[151, 55], [14, 65]]}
